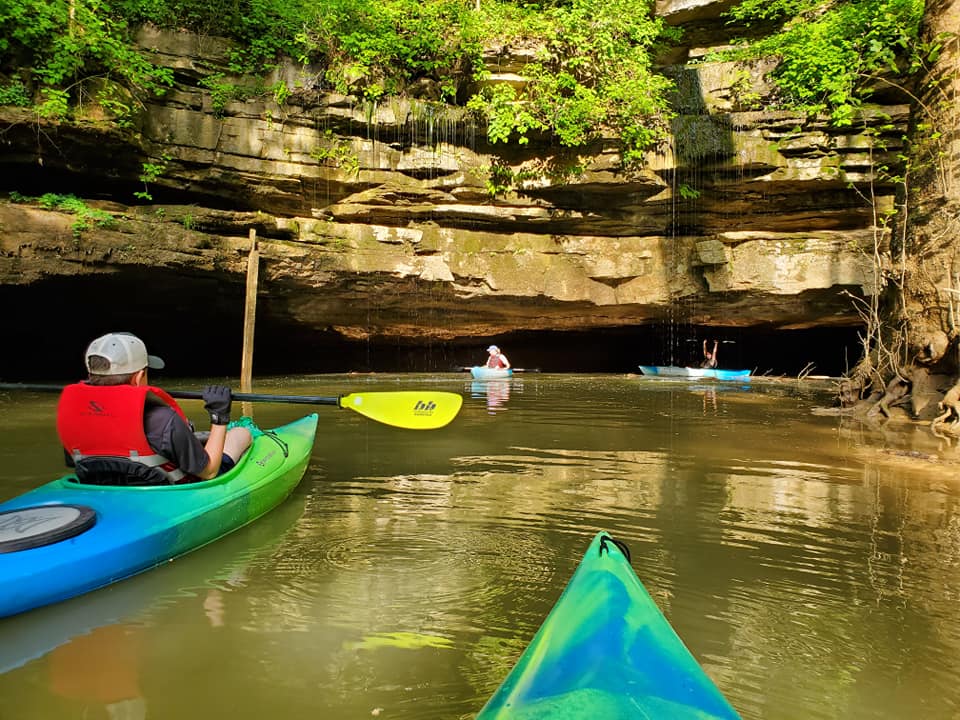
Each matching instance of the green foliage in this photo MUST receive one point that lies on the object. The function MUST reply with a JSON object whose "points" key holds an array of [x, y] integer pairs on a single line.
{"points": [[56, 103], [16, 94], [830, 52], [86, 217], [594, 77], [149, 173], [741, 87], [264, 29], [223, 93], [118, 104], [375, 48], [506, 114], [501, 178], [338, 153], [62, 43], [280, 92]]}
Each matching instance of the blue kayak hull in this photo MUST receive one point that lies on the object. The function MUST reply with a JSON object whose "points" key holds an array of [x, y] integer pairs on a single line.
{"points": [[606, 652], [137, 528], [689, 372], [479, 372], [31, 635]]}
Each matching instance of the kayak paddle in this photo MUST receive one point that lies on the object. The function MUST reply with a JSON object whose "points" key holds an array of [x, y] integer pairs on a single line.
{"points": [[410, 409], [516, 370]]}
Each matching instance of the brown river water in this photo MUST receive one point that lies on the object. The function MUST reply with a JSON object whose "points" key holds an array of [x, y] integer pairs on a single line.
{"points": [[810, 563]]}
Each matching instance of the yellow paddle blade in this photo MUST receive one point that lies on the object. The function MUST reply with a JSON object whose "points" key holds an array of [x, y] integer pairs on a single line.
{"points": [[413, 409]]}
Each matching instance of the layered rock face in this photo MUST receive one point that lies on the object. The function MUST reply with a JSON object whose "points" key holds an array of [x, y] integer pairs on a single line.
{"points": [[377, 222]]}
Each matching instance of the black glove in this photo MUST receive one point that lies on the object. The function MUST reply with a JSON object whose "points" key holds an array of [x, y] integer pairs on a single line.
{"points": [[217, 400]]}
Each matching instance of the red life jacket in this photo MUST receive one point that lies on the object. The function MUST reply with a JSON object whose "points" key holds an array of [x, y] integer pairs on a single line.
{"points": [[100, 424], [494, 361]]}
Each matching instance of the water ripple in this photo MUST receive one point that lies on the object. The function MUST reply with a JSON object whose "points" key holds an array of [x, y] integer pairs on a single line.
{"points": [[396, 576]]}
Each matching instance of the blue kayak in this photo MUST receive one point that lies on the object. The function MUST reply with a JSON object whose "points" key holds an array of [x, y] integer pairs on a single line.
{"points": [[481, 372], [690, 372], [606, 652], [33, 634], [67, 538]]}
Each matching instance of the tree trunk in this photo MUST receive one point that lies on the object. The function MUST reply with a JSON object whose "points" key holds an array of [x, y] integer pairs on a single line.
{"points": [[924, 313]]}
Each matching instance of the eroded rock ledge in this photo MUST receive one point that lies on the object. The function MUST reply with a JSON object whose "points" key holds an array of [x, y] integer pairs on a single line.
{"points": [[323, 275]]}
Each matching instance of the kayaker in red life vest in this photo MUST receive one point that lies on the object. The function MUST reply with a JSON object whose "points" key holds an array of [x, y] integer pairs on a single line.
{"points": [[497, 359], [117, 429], [709, 358]]}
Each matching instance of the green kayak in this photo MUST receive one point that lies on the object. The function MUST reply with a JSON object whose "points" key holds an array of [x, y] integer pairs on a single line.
{"points": [[66, 538], [606, 652]]}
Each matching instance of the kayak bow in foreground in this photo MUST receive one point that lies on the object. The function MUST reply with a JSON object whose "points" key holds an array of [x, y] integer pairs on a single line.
{"points": [[606, 652]]}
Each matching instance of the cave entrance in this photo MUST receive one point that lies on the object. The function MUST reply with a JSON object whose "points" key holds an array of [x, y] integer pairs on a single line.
{"points": [[196, 326]]}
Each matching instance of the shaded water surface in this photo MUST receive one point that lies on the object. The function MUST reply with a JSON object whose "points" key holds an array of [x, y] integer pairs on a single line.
{"points": [[809, 563]]}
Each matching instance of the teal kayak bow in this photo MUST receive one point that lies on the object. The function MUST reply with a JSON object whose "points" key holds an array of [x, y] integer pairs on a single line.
{"points": [[606, 652]]}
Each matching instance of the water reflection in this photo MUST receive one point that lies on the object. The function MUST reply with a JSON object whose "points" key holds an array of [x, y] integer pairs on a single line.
{"points": [[496, 393], [709, 395], [99, 673]]}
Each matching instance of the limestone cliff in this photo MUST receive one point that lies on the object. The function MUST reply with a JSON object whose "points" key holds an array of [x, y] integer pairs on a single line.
{"points": [[376, 221]]}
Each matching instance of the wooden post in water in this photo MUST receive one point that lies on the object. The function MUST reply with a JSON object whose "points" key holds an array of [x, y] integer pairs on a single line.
{"points": [[250, 319]]}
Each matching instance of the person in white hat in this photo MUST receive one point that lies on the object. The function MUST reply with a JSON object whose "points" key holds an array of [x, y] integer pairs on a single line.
{"points": [[497, 359], [118, 429]]}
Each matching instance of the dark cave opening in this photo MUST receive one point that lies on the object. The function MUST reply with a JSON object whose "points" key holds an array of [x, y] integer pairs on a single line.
{"points": [[196, 324]]}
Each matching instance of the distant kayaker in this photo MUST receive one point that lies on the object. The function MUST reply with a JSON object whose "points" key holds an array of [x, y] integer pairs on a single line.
{"points": [[497, 359], [709, 358], [118, 429]]}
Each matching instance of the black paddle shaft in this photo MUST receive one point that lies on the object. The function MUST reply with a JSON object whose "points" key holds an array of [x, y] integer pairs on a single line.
{"points": [[260, 397], [195, 395], [516, 370]]}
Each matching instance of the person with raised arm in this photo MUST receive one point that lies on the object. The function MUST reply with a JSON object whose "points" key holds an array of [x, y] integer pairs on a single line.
{"points": [[709, 358]]}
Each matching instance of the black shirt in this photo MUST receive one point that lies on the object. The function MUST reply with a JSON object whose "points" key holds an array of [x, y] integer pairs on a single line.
{"points": [[174, 439]]}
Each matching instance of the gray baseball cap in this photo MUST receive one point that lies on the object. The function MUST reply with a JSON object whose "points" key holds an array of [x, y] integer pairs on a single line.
{"points": [[127, 354]]}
